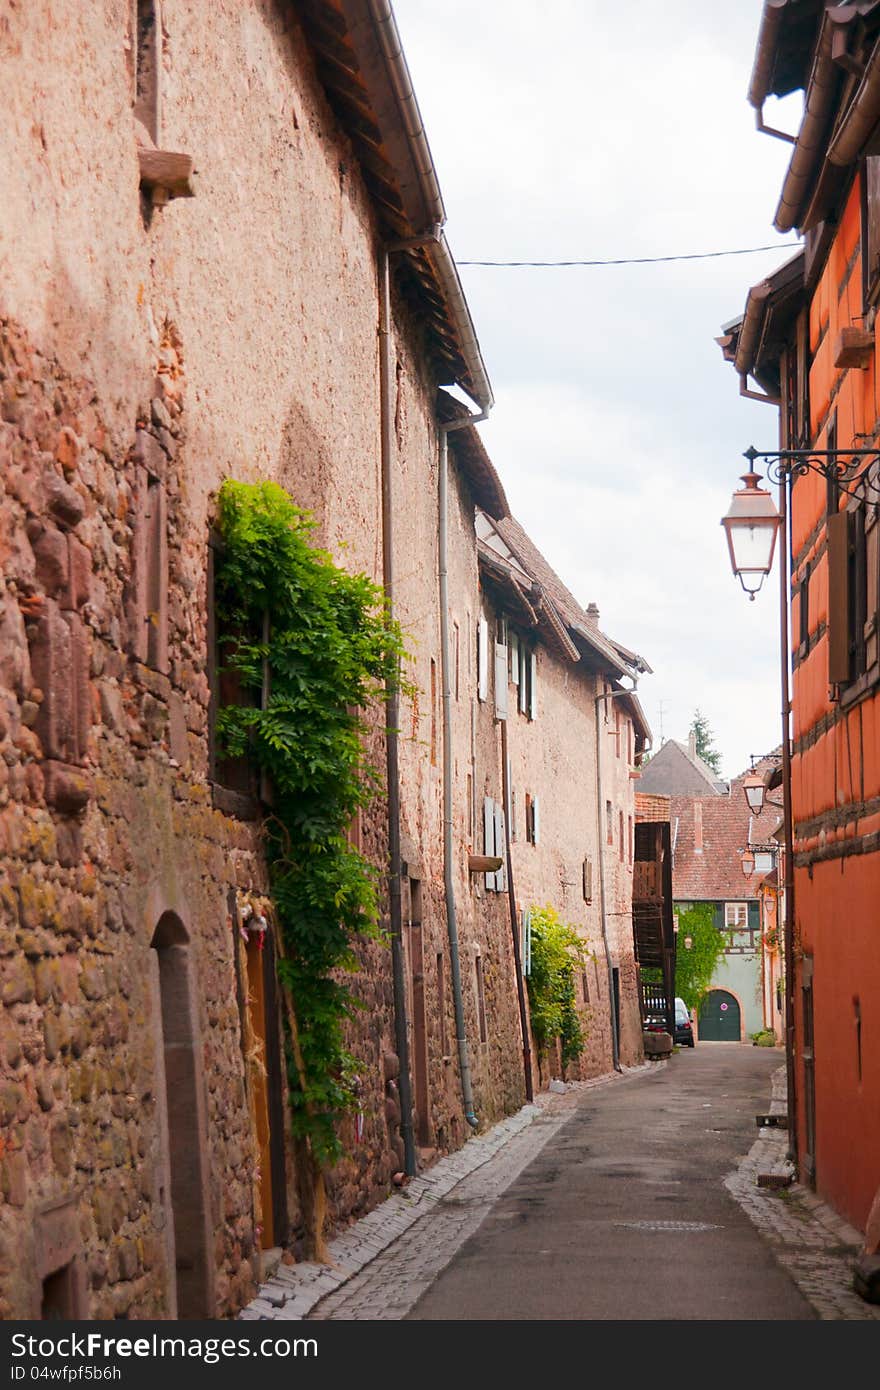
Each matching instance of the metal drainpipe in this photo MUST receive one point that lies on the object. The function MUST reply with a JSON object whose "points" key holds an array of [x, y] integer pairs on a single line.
{"points": [[392, 763], [611, 695], [467, 1094], [514, 924], [788, 829]]}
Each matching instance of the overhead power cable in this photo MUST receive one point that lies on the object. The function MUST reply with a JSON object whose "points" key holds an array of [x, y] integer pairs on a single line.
{"points": [[645, 260]]}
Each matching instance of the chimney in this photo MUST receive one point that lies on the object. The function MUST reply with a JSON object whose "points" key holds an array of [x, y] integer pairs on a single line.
{"points": [[692, 744], [593, 615]]}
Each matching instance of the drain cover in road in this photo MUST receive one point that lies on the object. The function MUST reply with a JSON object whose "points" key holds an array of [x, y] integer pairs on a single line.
{"points": [[668, 1225]]}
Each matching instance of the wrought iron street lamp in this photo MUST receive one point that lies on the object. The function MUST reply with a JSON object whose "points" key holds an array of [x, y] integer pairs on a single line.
{"points": [[755, 792], [751, 524]]}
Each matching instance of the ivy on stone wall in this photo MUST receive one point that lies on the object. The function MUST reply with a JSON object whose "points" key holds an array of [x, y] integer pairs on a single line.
{"points": [[555, 949], [331, 647]]}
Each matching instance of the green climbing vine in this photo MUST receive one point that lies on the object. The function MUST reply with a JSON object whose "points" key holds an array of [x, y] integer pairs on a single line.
{"points": [[330, 649], [556, 949]]}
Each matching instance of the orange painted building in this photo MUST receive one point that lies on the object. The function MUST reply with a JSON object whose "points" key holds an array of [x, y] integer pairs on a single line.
{"points": [[807, 342]]}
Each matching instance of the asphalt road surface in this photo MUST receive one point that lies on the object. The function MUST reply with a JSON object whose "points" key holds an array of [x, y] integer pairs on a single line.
{"points": [[624, 1215]]}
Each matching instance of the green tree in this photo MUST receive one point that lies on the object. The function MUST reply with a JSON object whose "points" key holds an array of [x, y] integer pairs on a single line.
{"points": [[705, 742], [695, 965]]}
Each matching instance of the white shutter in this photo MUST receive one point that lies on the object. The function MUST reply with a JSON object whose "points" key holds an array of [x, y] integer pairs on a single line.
{"points": [[526, 947], [535, 821], [501, 876], [483, 660], [500, 681], [533, 685], [489, 835]]}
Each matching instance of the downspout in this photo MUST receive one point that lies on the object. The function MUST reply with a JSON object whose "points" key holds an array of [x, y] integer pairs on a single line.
{"points": [[788, 928], [514, 925], [467, 1093], [615, 1051], [392, 691]]}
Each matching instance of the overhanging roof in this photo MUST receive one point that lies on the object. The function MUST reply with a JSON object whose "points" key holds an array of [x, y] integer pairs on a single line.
{"points": [[362, 68]]}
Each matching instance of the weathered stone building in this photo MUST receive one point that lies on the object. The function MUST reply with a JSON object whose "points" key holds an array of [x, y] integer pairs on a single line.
{"points": [[153, 344], [221, 255], [575, 739]]}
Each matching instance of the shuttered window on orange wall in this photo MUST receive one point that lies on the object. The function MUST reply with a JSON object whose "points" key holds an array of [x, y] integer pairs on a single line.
{"points": [[871, 229], [854, 595]]}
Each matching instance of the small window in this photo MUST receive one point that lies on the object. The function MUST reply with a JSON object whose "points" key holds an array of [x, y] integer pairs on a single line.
{"points": [[147, 67], [621, 845], [481, 1001], [736, 915], [629, 838], [804, 610], [433, 712], [617, 731], [482, 659], [441, 1005], [532, 819], [609, 823], [854, 595], [456, 649]]}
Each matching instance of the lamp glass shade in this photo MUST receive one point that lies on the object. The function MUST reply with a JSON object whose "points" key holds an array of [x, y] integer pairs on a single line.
{"points": [[747, 864], [751, 523], [754, 789]]}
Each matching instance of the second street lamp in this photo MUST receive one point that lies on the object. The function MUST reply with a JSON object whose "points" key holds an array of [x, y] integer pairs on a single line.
{"points": [[754, 789]]}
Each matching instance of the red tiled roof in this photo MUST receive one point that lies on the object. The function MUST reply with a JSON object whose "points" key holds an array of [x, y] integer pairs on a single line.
{"points": [[714, 873]]}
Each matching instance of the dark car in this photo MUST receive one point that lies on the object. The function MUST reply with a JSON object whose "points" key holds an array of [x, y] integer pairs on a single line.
{"points": [[684, 1029]]}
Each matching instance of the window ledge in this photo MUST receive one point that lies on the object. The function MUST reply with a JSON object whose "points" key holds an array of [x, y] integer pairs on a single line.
{"points": [[233, 803], [166, 174]]}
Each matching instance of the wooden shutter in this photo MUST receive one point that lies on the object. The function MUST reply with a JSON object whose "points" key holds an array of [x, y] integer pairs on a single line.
{"points": [[483, 660], [489, 835], [838, 528], [872, 567], [500, 680], [533, 685], [501, 875]]}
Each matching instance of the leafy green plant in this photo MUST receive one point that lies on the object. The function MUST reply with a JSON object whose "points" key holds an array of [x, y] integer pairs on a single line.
{"points": [[556, 949], [331, 647], [765, 1037], [695, 966]]}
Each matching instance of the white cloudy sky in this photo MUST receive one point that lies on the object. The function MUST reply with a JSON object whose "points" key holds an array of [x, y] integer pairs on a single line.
{"points": [[579, 129]]}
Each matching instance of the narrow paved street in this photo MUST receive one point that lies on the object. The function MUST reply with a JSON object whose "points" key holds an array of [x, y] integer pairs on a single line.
{"points": [[627, 1197], [624, 1214]]}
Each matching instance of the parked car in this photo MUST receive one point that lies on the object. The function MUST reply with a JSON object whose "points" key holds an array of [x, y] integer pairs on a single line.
{"points": [[684, 1029]]}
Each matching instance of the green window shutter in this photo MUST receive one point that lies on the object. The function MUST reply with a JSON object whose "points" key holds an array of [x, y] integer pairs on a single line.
{"points": [[754, 915], [718, 916]]}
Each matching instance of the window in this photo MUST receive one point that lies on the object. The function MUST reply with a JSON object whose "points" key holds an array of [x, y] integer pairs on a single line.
{"points": [[870, 230], [482, 659], [236, 784], [441, 1005], [481, 1001], [804, 610], [433, 712], [456, 648], [146, 598], [854, 593], [528, 693], [621, 844], [736, 915], [588, 880], [629, 742], [585, 987], [609, 823], [494, 844], [629, 838], [532, 820], [617, 731], [147, 67]]}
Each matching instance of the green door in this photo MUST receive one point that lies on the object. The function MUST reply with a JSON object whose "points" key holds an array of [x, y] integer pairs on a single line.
{"points": [[719, 1017]]}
